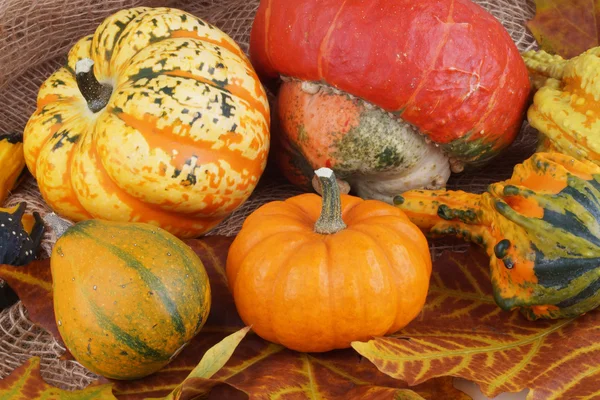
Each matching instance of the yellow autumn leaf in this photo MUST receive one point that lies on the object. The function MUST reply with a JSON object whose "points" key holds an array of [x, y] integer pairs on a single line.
{"points": [[462, 333]]}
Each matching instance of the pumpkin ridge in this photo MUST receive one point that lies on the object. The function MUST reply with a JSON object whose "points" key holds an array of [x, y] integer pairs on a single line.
{"points": [[223, 45], [138, 19], [330, 290], [402, 235], [324, 46], [136, 203], [41, 146], [267, 30], [178, 73], [300, 210], [362, 218], [149, 278], [389, 275], [423, 78], [349, 208], [201, 148], [492, 101], [49, 148], [130, 15], [240, 93], [409, 244], [274, 283], [69, 181]]}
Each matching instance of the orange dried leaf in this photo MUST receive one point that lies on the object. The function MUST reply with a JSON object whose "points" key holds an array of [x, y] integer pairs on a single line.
{"points": [[462, 332], [566, 27], [26, 383]]}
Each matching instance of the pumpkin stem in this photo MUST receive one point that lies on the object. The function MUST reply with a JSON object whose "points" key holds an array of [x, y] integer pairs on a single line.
{"points": [[95, 93], [330, 221]]}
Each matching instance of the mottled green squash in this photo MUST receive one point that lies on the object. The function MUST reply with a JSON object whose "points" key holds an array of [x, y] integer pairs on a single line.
{"points": [[127, 296], [541, 229]]}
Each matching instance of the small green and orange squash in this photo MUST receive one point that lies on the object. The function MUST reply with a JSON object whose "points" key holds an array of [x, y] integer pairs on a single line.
{"points": [[566, 106], [157, 117], [315, 274], [127, 296], [541, 229]]}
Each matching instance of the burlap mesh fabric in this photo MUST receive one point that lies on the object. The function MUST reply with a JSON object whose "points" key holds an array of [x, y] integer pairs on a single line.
{"points": [[35, 36]]}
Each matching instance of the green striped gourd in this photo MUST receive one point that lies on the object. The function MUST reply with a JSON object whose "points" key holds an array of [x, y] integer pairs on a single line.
{"points": [[541, 229], [127, 296]]}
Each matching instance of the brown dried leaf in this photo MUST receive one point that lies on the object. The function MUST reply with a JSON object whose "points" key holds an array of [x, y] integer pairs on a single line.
{"points": [[26, 383], [33, 284], [462, 332], [566, 27]]}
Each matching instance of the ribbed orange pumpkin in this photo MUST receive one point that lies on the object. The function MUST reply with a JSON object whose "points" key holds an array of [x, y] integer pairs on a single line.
{"points": [[317, 274], [157, 117]]}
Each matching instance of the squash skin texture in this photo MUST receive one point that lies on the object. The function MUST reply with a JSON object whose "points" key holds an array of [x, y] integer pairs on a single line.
{"points": [[540, 228], [377, 155], [316, 292], [182, 141], [448, 68], [566, 106], [127, 296]]}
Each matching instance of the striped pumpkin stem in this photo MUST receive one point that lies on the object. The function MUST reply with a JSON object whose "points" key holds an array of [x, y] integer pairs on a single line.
{"points": [[330, 221], [95, 93]]}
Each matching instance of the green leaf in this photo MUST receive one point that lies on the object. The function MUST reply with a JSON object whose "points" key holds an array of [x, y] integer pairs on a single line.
{"points": [[213, 360], [463, 333]]}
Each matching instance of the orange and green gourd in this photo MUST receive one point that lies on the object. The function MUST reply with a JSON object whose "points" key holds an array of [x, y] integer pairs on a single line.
{"points": [[566, 106], [315, 274], [127, 296], [157, 117], [541, 229]]}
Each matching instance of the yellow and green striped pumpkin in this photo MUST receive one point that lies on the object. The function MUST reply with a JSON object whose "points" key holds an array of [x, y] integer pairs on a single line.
{"points": [[157, 117], [127, 296]]}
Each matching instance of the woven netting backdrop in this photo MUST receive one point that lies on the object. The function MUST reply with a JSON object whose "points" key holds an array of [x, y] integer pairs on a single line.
{"points": [[35, 36]]}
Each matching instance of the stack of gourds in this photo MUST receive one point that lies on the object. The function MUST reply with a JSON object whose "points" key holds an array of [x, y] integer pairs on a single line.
{"points": [[159, 127]]}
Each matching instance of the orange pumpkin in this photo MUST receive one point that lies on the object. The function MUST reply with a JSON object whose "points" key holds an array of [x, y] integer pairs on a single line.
{"points": [[317, 274]]}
